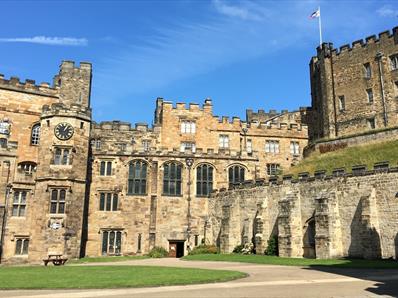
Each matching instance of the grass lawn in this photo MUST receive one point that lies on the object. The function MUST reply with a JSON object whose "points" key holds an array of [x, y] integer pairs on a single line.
{"points": [[356, 155], [69, 277], [272, 260], [106, 259]]}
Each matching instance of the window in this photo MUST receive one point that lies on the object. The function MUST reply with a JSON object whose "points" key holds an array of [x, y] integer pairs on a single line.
{"points": [[122, 146], [3, 143], [146, 144], [370, 95], [137, 177], [368, 70], [21, 246], [272, 146], [188, 145], [236, 174], [172, 179], [57, 204], [35, 135], [108, 201], [294, 148], [96, 144], [396, 89], [204, 180], [394, 62], [249, 146], [111, 242], [272, 169], [62, 156], [371, 123], [27, 167], [105, 168], [19, 203], [188, 126], [341, 103], [224, 141]]}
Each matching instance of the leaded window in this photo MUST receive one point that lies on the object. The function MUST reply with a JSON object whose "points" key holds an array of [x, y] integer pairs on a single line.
{"points": [[172, 179], [188, 126], [57, 203], [223, 141], [272, 146], [236, 174], [22, 246], [272, 169], [19, 203], [394, 62], [35, 135], [108, 201], [294, 148], [368, 70], [137, 177], [111, 242], [204, 180]]}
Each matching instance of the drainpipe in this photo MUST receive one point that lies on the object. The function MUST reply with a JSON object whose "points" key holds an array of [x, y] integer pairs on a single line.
{"points": [[4, 221], [379, 56]]}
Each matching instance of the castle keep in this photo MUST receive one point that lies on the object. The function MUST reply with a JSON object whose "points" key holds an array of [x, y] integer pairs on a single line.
{"points": [[71, 186]]}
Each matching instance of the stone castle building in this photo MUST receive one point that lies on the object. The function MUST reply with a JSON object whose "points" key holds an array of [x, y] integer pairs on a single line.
{"points": [[71, 186]]}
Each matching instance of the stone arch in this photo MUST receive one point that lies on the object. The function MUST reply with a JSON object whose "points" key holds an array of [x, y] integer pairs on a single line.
{"points": [[309, 250]]}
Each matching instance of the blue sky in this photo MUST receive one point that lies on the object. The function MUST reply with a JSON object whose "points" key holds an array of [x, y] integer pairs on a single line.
{"points": [[242, 54]]}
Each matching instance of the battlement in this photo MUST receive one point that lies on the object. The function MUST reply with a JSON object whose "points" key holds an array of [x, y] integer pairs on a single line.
{"points": [[191, 107], [122, 126], [63, 110], [262, 116], [228, 120], [338, 173], [382, 37], [29, 86]]}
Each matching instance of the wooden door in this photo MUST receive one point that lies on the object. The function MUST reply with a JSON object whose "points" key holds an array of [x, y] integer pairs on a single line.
{"points": [[172, 249]]}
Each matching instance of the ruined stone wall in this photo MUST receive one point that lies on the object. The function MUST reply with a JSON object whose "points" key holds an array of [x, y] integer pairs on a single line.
{"points": [[351, 216], [341, 73]]}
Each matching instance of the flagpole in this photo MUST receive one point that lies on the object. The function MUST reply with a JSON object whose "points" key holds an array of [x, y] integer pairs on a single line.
{"points": [[320, 26]]}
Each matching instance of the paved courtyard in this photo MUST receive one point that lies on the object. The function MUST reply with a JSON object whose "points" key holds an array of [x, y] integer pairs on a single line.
{"points": [[263, 281]]}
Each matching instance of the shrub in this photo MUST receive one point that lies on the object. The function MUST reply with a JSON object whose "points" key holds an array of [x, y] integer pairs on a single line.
{"points": [[204, 249], [248, 249], [238, 249], [272, 247], [158, 252]]}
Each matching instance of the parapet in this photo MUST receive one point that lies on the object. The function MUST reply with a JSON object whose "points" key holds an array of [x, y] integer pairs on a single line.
{"points": [[383, 37], [29, 86], [122, 126], [182, 106]]}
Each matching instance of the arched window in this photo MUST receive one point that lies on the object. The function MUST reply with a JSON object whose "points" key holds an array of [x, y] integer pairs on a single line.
{"points": [[204, 180], [35, 136], [137, 178], [172, 179], [236, 174]]}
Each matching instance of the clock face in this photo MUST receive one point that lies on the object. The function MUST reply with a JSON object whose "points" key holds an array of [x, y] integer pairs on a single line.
{"points": [[63, 131]]}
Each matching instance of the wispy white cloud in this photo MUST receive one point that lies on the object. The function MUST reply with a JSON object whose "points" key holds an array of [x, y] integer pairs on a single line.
{"points": [[387, 11], [53, 41], [246, 10]]}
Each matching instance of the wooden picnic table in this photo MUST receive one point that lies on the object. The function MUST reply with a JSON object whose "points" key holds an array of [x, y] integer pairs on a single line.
{"points": [[57, 260]]}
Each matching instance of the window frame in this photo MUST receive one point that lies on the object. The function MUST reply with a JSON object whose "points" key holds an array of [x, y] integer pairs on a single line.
{"points": [[370, 95], [112, 198], [272, 146], [20, 203], [368, 70], [191, 145], [173, 180], [236, 171], [58, 200], [106, 169], [23, 249], [272, 168], [204, 179], [35, 134], [223, 141], [137, 185], [342, 105], [111, 244], [394, 62], [294, 148], [62, 156], [188, 127]]}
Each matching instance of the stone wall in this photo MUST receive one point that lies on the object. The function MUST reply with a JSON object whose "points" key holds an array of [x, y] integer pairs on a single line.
{"points": [[329, 217]]}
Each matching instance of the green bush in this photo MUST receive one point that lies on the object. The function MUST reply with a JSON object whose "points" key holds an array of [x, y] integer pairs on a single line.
{"points": [[238, 249], [272, 248], [204, 249], [158, 252]]}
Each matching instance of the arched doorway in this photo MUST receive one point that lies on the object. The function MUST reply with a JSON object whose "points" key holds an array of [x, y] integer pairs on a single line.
{"points": [[309, 239]]}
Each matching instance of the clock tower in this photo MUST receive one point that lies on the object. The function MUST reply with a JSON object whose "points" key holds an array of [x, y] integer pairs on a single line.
{"points": [[62, 181]]}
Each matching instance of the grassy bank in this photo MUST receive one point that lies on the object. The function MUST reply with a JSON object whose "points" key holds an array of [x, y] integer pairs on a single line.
{"points": [[85, 277], [272, 260], [348, 157]]}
